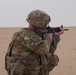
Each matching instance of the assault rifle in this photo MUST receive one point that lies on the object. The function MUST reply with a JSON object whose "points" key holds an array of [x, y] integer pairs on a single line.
{"points": [[42, 32]]}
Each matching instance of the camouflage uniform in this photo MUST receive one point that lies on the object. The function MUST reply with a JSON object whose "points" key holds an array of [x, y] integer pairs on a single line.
{"points": [[29, 54]]}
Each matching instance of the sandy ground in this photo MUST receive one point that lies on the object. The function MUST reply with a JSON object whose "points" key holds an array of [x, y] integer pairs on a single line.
{"points": [[66, 51]]}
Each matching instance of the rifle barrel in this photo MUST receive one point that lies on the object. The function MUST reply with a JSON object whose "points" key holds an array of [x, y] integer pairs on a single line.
{"points": [[66, 29]]}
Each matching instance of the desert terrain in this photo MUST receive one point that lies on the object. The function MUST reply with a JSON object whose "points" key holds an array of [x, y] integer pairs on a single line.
{"points": [[66, 51]]}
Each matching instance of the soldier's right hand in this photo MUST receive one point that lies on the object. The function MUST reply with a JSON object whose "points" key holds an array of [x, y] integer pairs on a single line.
{"points": [[50, 35]]}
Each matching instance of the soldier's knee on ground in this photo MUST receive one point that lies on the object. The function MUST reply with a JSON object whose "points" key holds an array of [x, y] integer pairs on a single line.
{"points": [[54, 59]]}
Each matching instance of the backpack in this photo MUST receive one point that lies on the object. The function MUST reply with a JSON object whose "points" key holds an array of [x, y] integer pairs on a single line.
{"points": [[9, 52]]}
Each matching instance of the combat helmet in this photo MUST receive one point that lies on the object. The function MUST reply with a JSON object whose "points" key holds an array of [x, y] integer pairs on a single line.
{"points": [[38, 18]]}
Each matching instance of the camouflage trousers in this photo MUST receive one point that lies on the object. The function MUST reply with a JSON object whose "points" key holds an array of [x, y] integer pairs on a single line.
{"points": [[19, 68]]}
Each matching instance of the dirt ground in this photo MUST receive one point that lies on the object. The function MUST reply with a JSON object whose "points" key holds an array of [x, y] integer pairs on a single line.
{"points": [[66, 51]]}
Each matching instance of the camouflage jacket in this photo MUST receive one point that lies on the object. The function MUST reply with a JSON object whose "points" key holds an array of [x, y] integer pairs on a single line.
{"points": [[28, 41]]}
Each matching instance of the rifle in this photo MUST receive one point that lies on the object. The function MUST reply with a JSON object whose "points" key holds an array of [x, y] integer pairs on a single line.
{"points": [[42, 32]]}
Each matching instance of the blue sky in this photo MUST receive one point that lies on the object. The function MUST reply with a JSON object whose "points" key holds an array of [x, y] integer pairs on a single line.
{"points": [[13, 13]]}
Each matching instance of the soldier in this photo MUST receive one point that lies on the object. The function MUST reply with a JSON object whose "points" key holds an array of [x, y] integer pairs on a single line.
{"points": [[28, 53]]}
